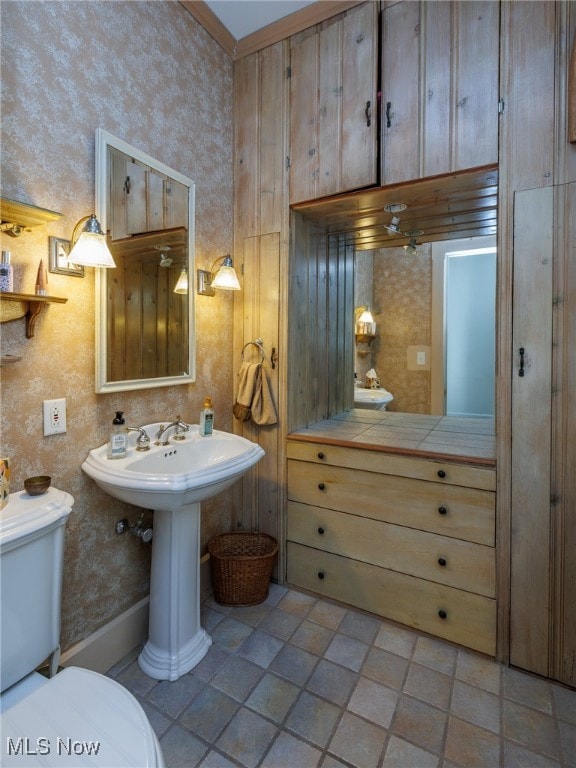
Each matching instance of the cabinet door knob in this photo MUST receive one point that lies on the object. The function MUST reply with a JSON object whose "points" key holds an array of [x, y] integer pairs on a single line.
{"points": [[441, 473], [321, 486], [442, 561], [320, 530], [320, 455], [442, 511], [320, 574], [442, 614]]}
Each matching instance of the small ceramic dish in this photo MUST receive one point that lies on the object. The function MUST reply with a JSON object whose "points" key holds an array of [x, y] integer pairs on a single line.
{"points": [[36, 486]]}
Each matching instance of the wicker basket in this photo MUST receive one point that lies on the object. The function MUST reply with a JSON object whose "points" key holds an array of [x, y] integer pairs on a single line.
{"points": [[241, 565]]}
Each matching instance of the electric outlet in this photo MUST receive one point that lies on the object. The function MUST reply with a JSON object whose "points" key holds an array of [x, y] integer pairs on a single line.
{"points": [[54, 416]]}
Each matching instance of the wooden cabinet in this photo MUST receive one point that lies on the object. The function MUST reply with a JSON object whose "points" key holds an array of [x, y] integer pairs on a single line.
{"points": [[410, 539], [439, 106], [142, 200], [333, 105]]}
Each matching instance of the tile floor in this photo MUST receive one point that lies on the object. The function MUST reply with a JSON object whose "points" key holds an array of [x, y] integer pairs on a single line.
{"points": [[298, 682]]}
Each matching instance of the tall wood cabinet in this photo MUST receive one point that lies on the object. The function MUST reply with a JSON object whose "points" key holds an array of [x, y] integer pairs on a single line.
{"points": [[439, 106], [333, 105], [261, 255], [537, 380]]}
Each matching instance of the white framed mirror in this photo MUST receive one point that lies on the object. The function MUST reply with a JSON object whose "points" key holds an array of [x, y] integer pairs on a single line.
{"points": [[144, 317]]}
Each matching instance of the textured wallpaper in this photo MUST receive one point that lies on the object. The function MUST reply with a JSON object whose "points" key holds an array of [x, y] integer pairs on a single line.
{"points": [[150, 75]]}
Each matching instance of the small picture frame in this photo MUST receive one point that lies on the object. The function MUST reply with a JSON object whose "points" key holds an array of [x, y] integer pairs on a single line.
{"points": [[58, 251]]}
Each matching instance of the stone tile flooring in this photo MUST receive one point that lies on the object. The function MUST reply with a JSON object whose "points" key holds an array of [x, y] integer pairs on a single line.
{"points": [[299, 682]]}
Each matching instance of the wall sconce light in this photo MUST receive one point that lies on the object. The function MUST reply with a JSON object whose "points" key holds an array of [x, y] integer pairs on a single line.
{"points": [[365, 327], [90, 248], [224, 279], [182, 284]]}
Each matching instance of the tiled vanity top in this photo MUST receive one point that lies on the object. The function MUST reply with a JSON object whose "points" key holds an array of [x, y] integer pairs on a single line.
{"points": [[465, 438]]}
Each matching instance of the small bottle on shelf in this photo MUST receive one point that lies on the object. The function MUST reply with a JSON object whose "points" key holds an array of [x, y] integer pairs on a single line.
{"points": [[6, 273]]}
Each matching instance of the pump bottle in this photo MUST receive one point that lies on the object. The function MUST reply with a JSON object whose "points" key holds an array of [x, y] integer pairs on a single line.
{"points": [[206, 418], [6, 273], [118, 437]]}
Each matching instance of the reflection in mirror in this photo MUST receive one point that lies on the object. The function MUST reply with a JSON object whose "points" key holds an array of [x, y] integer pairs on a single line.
{"points": [[435, 317], [144, 324]]}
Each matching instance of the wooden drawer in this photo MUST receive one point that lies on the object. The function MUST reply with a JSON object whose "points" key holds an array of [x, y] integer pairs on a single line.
{"points": [[429, 556], [455, 615], [437, 471], [461, 513]]}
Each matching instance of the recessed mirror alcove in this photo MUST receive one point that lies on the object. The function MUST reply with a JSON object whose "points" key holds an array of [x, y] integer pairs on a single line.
{"points": [[144, 328], [331, 241]]}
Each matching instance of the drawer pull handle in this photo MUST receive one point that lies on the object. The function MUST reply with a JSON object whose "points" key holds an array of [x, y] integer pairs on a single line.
{"points": [[321, 487], [441, 473], [442, 511], [320, 455], [442, 614], [442, 561], [320, 574], [320, 530]]}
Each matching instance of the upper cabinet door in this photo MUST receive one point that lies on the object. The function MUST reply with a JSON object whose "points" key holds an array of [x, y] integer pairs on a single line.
{"points": [[439, 107], [333, 113]]}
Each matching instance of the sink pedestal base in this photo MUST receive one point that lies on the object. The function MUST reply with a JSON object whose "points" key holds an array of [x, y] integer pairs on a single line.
{"points": [[176, 640]]}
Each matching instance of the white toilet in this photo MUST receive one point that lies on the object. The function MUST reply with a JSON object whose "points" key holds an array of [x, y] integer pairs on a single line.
{"points": [[76, 717]]}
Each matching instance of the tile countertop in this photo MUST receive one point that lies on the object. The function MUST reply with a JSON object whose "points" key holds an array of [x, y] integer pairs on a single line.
{"points": [[451, 437]]}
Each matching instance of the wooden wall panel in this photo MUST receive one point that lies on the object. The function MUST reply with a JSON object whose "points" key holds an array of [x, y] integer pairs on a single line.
{"points": [[531, 415], [564, 442]]}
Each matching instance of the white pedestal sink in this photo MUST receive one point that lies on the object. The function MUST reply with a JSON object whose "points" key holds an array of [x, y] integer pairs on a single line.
{"points": [[173, 480]]}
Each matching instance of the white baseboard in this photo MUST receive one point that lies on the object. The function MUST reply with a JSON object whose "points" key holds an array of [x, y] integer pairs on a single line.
{"points": [[112, 642], [109, 644]]}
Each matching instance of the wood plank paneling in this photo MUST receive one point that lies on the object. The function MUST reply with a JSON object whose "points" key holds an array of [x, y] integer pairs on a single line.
{"points": [[564, 442], [531, 415]]}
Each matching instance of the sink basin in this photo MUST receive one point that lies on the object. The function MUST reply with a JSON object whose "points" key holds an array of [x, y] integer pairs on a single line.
{"points": [[173, 476], [172, 480], [376, 399]]}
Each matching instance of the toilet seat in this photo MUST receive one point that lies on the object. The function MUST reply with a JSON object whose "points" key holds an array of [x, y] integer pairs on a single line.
{"points": [[79, 718]]}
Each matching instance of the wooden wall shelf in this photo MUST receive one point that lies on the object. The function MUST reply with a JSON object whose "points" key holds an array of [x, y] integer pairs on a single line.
{"points": [[13, 306], [22, 217]]}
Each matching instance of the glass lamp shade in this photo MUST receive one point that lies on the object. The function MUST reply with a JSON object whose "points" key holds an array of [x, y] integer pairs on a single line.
{"points": [[226, 279], [182, 284], [91, 249]]}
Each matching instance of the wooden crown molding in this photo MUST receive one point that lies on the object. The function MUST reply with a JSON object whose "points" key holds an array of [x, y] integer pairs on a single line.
{"points": [[273, 33]]}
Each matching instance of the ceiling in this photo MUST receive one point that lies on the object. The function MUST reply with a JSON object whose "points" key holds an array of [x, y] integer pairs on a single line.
{"points": [[243, 17]]}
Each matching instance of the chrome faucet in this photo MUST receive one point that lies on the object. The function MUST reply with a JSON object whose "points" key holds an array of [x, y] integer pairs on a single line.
{"points": [[143, 441], [181, 427]]}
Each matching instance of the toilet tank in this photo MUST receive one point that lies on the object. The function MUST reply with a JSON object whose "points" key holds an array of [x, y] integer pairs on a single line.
{"points": [[31, 563]]}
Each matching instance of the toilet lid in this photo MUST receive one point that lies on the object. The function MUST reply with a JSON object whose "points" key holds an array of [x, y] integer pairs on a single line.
{"points": [[79, 718]]}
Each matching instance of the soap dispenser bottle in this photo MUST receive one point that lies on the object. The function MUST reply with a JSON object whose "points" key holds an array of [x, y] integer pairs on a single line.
{"points": [[206, 418], [6, 273], [118, 437]]}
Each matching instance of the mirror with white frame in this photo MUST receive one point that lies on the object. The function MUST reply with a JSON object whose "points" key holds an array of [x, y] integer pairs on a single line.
{"points": [[144, 308]]}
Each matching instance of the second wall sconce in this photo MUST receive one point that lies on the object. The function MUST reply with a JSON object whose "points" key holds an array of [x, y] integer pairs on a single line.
{"points": [[89, 248], [224, 278]]}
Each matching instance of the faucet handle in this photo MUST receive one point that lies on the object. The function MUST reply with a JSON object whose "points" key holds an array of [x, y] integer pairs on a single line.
{"points": [[181, 427], [142, 441]]}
